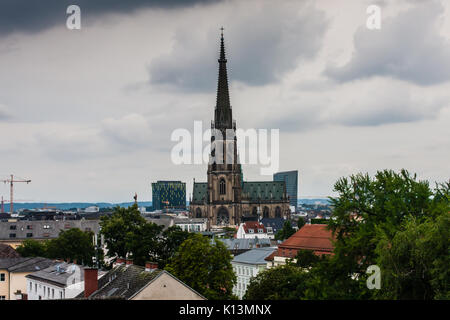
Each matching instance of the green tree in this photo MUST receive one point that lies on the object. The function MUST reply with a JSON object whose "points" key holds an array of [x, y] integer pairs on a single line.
{"points": [[118, 228], [300, 223], [205, 266], [143, 243], [306, 258], [72, 244], [170, 241], [286, 232], [32, 248], [365, 209], [280, 283], [415, 262]]}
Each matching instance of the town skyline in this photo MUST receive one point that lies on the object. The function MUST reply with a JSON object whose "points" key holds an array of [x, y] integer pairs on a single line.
{"points": [[96, 119]]}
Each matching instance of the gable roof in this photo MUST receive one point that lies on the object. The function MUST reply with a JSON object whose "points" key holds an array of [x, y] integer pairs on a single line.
{"points": [[124, 282], [245, 244], [310, 237], [6, 251], [255, 225]]}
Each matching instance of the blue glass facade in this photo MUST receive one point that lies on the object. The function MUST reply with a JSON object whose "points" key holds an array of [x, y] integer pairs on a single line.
{"points": [[290, 178], [168, 194]]}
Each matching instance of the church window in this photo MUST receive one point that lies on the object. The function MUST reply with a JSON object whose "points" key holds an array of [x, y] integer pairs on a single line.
{"points": [[222, 189]]}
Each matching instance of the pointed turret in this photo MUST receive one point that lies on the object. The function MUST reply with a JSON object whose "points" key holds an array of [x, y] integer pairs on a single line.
{"points": [[223, 117]]}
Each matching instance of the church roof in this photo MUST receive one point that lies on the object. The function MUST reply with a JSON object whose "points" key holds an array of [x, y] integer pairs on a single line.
{"points": [[252, 191], [200, 191], [264, 190]]}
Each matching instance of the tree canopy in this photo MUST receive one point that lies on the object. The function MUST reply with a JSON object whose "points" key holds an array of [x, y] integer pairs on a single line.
{"points": [[205, 266]]}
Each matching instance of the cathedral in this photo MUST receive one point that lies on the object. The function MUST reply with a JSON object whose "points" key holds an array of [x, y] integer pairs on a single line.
{"points": [[226, 199]]}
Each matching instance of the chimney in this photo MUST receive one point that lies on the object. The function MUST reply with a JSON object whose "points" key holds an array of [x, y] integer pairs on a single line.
{"points": [[151, 266], [129, 262], [90, 281]]}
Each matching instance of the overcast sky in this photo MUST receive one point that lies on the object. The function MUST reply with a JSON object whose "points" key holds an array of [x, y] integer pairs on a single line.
{"points": [[87, 114]]}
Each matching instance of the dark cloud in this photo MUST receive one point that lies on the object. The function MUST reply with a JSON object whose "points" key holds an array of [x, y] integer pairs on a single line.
{"points": [[34, 16], [408, 47], [260, 49]]}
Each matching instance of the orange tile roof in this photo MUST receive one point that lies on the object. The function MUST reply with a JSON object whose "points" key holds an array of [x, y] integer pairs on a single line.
{"points": [[253, 225], [310, 237]]}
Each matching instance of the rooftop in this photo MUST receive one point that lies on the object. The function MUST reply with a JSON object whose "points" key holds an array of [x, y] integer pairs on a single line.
{"points": [[255, 256]]}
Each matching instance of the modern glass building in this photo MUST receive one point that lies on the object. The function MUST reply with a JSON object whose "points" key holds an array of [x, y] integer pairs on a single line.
{"points": [[290, 178], [168, 195]]}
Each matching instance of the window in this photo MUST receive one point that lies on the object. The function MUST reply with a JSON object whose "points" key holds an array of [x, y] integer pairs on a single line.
{"points": [[260, 230], [48, 292], [29, 227], [2, 277], [31, 286], [53, 293], [60, 295], [251, 231], [46, 226], [12, 227], [35, 287], [12, 235], [222, 189], [29, 235]]}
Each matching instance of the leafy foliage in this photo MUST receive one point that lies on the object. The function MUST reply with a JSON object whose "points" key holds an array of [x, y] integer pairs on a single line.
{"points": [[286, 232], [205, 266]]}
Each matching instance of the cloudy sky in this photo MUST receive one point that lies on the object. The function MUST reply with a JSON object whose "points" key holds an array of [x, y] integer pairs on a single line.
{"points": [[87, 114]]}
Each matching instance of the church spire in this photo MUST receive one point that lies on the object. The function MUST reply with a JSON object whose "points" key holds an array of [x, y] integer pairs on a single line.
{"points": [[223, 117]]}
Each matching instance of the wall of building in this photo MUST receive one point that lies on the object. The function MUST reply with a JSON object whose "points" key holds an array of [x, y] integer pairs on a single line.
{"points": [[4, 285], [166, 288]]}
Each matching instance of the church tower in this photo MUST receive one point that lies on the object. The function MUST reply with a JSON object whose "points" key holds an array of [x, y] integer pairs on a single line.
{"points": [[224, 171]]}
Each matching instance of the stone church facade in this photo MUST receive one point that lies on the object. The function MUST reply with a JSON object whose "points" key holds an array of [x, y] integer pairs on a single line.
{"points": [[225, 198]]}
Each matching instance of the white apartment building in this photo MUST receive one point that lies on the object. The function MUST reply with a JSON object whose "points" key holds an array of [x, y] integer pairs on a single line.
{"points": [[248, 265]]}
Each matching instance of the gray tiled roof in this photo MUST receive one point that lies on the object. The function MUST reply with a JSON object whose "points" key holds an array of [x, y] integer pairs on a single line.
{"points": [[275, 223], [58, 273], [254, 256], [29, 264], [244, 244], [122, 282]]}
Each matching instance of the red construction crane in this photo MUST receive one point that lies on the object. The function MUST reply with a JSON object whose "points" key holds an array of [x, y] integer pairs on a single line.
{"points": [[11, 190]]}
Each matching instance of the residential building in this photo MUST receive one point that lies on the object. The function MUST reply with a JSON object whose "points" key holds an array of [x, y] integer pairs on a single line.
{"points": [[273, 225], [226, 198], [192, 224], [131, 282], [291, 180], [13, 233], [314, 237], [13, 272], [248, 265], [168, 195], [238, 246], [252, 230], [61, 280]]}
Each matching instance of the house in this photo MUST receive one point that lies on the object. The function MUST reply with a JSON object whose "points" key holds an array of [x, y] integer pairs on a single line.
{"points": [[273, 225], [192, 224], [132, 282], [315, 237], [61, 280], [13, 272], [248, 265], [13, 233], [6, 251], [252, 230]]}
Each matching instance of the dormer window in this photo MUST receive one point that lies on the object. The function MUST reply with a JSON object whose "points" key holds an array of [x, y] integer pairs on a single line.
{"points": [[251, 231], [260, 230]]}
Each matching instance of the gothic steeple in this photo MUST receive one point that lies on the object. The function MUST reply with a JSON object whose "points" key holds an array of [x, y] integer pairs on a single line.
{"points": [[223, 116]]}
